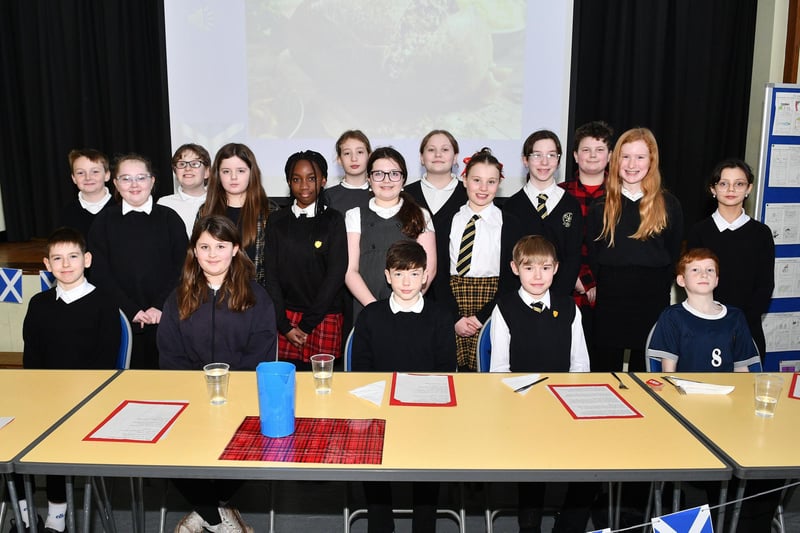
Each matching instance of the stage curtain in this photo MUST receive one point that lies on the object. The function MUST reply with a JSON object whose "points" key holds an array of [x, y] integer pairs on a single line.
{"points": [[77, 73], [679, 67]]}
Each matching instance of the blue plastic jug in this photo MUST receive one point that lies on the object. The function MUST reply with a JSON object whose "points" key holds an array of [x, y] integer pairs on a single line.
{"points": [[276, 386]]}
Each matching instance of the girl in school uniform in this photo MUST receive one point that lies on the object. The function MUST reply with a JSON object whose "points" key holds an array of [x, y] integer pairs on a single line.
{"points": [[306, 260], [235, 191], [469, 280], [218, 313], [138, 249], [352, 152], [744, 246], [391, 215], [439, 190], [634, 239]]}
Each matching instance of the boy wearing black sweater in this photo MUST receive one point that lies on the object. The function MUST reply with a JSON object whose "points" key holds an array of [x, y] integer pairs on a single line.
{"points": [[405, 333], [71, 326]]}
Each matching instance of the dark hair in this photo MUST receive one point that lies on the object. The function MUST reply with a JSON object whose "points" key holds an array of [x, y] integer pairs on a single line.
{"points": [[65, 235], [446, 133], [406, 255], [352, 134], [716, 175], [205, 158], [256, 204], [119, 159], [531, 248], [320, 166], [96, 156], [597, 129], [484, 155], [193, 288], [695, 254], [533, 138], [410, 214]]}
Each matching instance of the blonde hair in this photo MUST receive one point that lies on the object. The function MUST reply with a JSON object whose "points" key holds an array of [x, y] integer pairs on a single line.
{"points": [[652, 209], [533, 249]]}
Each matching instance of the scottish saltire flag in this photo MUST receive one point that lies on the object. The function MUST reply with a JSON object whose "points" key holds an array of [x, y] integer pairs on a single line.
{"points": [[11, 285], [606, 530], [697, 520], [46, 280]]}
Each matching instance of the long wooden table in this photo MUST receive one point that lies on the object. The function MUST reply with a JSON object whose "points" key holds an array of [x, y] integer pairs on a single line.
{"points": [[38, 399], [492, 434], [756, 447]]}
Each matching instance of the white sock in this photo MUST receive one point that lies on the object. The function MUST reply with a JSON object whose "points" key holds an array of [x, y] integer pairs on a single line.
{"points": [[56, 516], [23, 510]]}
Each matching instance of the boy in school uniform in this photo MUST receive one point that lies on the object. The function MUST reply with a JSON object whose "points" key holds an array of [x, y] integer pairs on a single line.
{"points": [[535, 331], [71, 326], [90, 173], [404, 333], [190, 164], [701, 334]]}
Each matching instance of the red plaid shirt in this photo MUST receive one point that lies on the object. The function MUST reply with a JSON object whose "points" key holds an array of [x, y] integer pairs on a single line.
{"points": [[585, 198]]}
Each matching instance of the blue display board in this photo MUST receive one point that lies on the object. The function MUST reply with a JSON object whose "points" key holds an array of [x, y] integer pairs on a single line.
{"points": [[778, 206]]}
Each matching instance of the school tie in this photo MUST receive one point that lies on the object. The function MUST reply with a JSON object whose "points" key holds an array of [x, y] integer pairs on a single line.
{"points": [[537, 306], [465, 251], [541, 205]]}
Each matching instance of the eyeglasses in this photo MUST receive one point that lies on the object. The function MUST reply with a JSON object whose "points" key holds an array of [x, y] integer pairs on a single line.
{"points": [[127, 179], [736, 185], [194, 164], [538, 156], [380, 175]]}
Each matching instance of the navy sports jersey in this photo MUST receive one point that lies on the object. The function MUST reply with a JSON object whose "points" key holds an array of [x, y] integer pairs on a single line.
{"points": [[703, 343]]}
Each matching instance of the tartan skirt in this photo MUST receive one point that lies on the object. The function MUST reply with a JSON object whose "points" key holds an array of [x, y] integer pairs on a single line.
{"points": [[471, 295], [326, 338]]}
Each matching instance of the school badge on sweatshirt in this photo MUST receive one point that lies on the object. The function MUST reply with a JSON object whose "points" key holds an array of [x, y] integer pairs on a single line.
{"points": [[566, 220]]}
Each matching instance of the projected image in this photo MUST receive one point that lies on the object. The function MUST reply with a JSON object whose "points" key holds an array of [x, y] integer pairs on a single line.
{"points": [[319, 67]]}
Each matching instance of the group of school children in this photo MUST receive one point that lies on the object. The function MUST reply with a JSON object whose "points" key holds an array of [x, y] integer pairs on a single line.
{"points": [[572, 276]]}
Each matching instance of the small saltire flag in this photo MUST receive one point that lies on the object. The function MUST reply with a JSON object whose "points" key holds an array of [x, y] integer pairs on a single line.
{"points": [[11, 285], [606, 530], [46, 280], [696, 520]]}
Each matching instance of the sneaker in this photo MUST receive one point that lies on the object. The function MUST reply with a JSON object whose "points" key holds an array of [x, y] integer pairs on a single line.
{"points": [[231, 522], [192, 523]]}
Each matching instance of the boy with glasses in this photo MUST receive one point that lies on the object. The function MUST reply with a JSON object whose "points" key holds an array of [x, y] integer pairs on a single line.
{"points": [[190, 164]]}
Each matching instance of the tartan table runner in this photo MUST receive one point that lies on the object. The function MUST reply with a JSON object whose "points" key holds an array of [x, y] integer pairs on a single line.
{"points": [[315, 440]]}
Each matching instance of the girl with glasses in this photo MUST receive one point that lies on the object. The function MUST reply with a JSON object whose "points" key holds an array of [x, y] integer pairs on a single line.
{"points": [[391, 215], [744, 246], [138, 249]]}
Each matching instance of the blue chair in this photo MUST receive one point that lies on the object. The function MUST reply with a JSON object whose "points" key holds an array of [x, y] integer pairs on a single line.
{"points": [[348, 352], [125, 344], [483, 354]]}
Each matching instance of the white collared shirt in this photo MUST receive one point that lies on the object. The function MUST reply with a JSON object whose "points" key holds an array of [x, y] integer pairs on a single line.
{"points": [[352, 219], [723, 224], [485, 261], [185, 205], [363, 187], [94, 207], [434, 196], [553, 191], [75, 293], [501, 338], [416, 307], [146, 207], [308, 211], [632, 196]]}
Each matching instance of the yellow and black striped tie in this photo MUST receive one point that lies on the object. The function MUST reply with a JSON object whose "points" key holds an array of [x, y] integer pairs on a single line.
{"points": [[541, 205], [537, 306], [465, 251]]}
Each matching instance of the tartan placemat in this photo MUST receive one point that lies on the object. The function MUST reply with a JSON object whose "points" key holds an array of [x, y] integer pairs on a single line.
{"points": [[315, 440]]}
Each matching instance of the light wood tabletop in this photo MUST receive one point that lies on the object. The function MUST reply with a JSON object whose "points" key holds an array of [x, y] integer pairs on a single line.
{"points": [[493, 434], [37, 399], [757, 447]]}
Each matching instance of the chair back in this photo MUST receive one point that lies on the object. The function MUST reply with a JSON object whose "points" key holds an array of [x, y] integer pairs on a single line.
{"points": [[651, 364], [483, 354], [348, 352], [125, 343]]}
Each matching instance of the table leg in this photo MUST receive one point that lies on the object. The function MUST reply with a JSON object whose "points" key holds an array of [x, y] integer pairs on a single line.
{"points": [[723, 497], [676, 497], [32, 515], [737, 507], [12, 497], [87, 505], [70, 504]]}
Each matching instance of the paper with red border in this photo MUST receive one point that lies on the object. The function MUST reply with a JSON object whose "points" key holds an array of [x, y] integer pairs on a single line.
{"points": [[436, 383], [602, 399], [794, 388], [137, 421]]}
